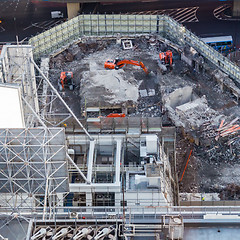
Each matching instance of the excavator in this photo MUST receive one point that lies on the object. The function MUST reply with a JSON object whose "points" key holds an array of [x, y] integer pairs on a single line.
{"points": [[166, 58], [66, 80], [118, 63]]}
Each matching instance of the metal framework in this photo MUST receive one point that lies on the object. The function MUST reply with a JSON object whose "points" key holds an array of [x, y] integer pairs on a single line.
{"points": [[33, 161], [33, 167]]}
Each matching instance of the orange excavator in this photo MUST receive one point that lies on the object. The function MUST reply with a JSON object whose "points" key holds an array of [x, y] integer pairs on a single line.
{"points": [[166, 58], [66, 79], [117, 63]]}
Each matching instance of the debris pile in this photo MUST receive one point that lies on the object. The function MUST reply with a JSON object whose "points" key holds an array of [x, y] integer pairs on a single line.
{"points": [[106, 87], [227, 129], [188, 111]]}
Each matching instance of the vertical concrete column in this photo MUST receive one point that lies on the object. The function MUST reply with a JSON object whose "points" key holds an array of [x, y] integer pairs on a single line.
{"points": [[118, 161], [90, 160], [236, 8], [72, 10], [88, 199]]}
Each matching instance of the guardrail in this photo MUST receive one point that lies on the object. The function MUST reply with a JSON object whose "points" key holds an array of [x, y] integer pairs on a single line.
{"points": [[138, 212]]}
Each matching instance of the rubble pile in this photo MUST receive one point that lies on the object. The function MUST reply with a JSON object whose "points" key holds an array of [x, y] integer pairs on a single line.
{"points": [[220, 151], [188, 111], [106, 87], [149, 106]]}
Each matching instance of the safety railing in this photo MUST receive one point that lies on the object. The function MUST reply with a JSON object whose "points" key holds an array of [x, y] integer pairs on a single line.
{"points": [[117, 125], [138, 212]]}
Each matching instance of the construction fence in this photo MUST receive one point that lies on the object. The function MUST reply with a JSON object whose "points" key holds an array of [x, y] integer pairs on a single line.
{"points": [[93, 25], [127, 25]]}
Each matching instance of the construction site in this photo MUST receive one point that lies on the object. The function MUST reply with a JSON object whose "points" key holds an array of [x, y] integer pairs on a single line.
{"points": [[126, 127]]}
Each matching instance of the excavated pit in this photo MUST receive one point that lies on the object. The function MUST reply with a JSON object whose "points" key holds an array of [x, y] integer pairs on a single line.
{"points": [[213, 165]]}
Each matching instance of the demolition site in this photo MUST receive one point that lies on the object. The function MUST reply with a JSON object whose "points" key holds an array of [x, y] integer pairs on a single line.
{"points": [[187, 94], [129, 133]]}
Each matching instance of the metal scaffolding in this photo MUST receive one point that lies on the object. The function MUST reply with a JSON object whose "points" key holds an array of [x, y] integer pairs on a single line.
{"points": [[33, 167]]}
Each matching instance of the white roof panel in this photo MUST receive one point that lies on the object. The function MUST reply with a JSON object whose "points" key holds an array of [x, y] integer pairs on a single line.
{"points": [[11, 111]]}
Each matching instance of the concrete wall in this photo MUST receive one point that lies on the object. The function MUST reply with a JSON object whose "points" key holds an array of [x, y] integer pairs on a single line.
{"points": [[179, 97]]}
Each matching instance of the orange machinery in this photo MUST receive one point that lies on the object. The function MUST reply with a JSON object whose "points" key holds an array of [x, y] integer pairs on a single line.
{"points": [[113, 115], [66, 79], [166, 57], [117, 63]]}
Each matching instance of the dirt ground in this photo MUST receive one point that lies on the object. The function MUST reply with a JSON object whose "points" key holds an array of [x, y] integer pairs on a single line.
{"points": [[212, 167]]}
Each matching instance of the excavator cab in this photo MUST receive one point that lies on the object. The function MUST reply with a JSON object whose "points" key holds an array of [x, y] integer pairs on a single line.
{"points": [[66, 80], [162, 57], [110, 64]]}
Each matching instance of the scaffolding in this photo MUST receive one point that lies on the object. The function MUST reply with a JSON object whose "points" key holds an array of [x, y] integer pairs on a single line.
{"points": [[34, 159], [33, 167]]}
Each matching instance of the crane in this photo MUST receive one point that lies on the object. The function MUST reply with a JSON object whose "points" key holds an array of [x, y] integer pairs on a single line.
{"points": [[118, 63]]}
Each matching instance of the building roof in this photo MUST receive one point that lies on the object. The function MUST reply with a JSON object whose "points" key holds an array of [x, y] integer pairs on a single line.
{"points": [[11, 110]]}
